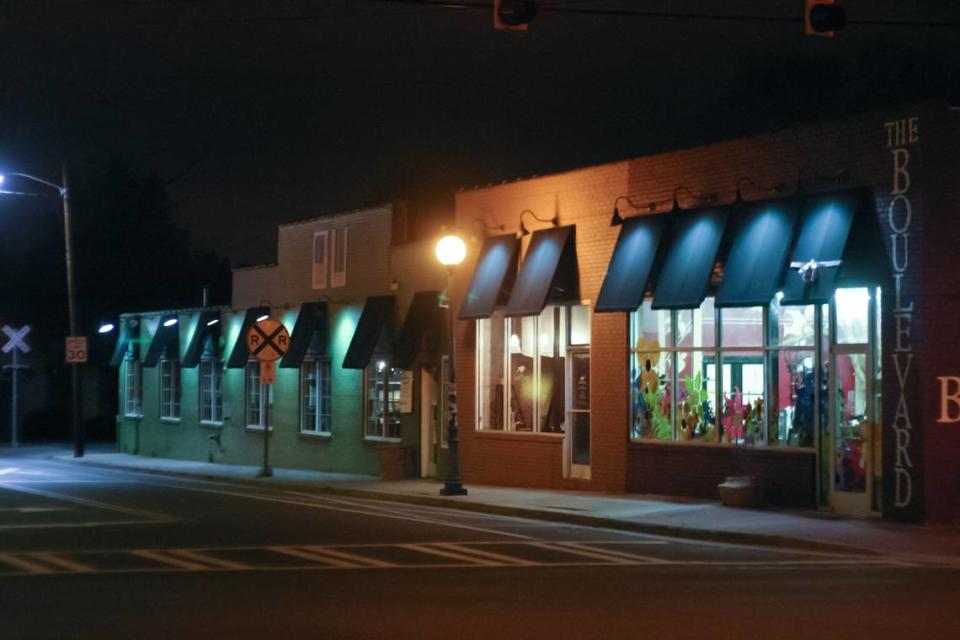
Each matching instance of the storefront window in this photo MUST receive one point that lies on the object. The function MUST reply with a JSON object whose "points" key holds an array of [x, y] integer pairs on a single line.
{"points": [[521, 368], [651, 373], [382, 405], [853, 313]]}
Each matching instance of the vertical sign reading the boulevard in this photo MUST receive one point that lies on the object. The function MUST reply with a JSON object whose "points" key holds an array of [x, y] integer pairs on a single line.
{"points": [[902, 491], [268, 341]]}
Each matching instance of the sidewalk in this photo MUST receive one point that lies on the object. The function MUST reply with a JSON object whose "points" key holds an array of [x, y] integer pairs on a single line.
{"points": [[673, 517]]}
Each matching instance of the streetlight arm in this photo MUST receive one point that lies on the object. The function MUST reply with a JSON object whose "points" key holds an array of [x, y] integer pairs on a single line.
{"points": [[61, 189]]}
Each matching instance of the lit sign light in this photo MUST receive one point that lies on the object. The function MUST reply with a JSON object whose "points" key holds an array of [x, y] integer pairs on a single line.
{"points": [[170, 322], [106, 327], [263, 317], [213, 322]]}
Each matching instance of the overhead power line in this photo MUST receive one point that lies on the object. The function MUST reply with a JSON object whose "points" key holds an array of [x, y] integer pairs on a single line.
{"points": [[678, 15]]}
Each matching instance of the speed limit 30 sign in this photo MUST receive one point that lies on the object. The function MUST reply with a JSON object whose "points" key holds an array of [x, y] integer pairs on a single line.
{"points": [[76, 349]]}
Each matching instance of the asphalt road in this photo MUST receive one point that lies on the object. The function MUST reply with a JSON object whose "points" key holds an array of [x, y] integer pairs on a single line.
{"points": [[91, 553]]}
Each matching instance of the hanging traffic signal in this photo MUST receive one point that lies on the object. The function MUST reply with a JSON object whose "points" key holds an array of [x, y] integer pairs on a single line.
{"points": [[823, 17], [513, 14]]}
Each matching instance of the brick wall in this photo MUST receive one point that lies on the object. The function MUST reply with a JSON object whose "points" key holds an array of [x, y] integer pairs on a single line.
{"points": [[830, 155], [696, 470]]}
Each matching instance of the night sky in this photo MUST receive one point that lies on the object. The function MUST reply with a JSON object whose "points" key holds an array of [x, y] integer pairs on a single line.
{"points": [[257, 113]]}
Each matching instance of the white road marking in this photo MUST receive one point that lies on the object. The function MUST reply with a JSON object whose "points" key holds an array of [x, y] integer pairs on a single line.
{"points": [[610, 552], [78, 525], [196, 556], [349, 557], [88, 503], [450, 555], [23, 564], [314, 557], [35, 509], [173, 561], [319, 505], [459, 548], [61, 563]]}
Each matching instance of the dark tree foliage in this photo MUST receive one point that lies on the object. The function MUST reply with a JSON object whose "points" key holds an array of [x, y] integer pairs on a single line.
{"points": [[130, 255]]}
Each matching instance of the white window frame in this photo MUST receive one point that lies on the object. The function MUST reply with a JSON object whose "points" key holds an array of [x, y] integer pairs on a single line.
{"points": [[379, 432], [482, 346], [318, 420], [132, 387], [338, 257], [170, 387], [211, 396], [263, 393], [321, 259]]}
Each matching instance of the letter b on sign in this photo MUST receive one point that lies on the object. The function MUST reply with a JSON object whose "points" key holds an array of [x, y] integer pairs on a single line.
{"points": [[949, 399]]}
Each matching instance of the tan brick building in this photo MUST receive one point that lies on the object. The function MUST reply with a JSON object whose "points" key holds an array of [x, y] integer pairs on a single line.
{"points": [[837, 388]]}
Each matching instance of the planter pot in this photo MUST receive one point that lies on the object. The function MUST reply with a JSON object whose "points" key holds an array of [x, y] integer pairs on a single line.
{"points": [[742, 491], [394, 458]]}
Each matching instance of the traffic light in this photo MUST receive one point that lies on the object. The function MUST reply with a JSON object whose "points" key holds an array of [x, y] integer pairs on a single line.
{"points": [[823, 17], [513, 14]]}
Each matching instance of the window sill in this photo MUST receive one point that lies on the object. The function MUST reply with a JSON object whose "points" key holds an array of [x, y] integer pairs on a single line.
{"points": [[164, 420], [208, 424], [256, 427], [379, 439], [316, 435], [719, 445], [522, 435], [133, 416]]}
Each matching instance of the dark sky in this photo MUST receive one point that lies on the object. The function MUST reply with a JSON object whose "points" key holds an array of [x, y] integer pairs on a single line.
{"points": [[265, 112]]}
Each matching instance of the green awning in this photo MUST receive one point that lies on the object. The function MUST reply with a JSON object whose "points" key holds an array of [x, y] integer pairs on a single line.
{"points": [[626, 281], [422, 317], [375, 332], [240, 352], [207, 328], [493, 277], [549, 272], [761, 243], [683, 280], [311, 322], [165, 343]]}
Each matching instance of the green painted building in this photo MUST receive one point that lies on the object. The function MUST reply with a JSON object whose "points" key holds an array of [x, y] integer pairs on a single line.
{"points": [[358, 390]]}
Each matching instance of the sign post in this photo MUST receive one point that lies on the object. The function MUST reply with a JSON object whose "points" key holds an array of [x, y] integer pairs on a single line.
{"points": [[16, 342], [267, 340]]}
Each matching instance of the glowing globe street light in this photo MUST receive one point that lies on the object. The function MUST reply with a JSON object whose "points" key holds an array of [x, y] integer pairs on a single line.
{"points": [[450, 251]]}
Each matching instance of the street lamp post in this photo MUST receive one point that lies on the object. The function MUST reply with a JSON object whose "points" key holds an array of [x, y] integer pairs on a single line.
{"points": [[63, 190], [451, 251]]}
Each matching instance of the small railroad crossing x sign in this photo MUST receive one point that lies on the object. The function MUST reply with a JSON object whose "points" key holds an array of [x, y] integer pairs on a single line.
{"points": [[16, 338], [268, 340]]}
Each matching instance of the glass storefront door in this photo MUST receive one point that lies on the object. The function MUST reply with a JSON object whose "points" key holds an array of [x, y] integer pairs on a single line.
{"points": [[854, 408], [578, 410]]}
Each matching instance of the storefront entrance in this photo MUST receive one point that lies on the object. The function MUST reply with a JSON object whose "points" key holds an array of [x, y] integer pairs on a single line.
{"points": [[577, 436], [854, 403], [429, 423]]}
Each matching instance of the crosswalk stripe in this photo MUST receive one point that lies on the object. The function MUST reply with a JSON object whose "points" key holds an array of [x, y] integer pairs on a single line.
{"points": [[59, 562], [485, 554], [24, 565], [612, 552], [586, 553], [165, 558], [349, 557], [202, 558], [451, 555], [315, 557]]}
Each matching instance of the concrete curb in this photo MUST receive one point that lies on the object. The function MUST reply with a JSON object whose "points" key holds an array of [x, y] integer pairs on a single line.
{"points": [[671, 531]]}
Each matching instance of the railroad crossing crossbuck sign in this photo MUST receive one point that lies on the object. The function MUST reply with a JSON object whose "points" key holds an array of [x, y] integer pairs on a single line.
{"points": [[268, 340], [16, 339]]}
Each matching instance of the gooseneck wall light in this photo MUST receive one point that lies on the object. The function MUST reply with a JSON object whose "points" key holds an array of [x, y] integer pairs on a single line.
{"points": [[523, 229]]}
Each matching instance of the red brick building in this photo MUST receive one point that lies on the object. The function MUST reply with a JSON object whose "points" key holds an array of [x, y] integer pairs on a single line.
{"points": [[782, 306]]}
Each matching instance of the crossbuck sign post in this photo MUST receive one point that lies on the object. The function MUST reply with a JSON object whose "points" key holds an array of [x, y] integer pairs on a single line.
{"points": [[16, 343], [267, 340]]}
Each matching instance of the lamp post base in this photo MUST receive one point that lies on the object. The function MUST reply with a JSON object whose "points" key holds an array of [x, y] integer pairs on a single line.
{"points": [[453, 489]]}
